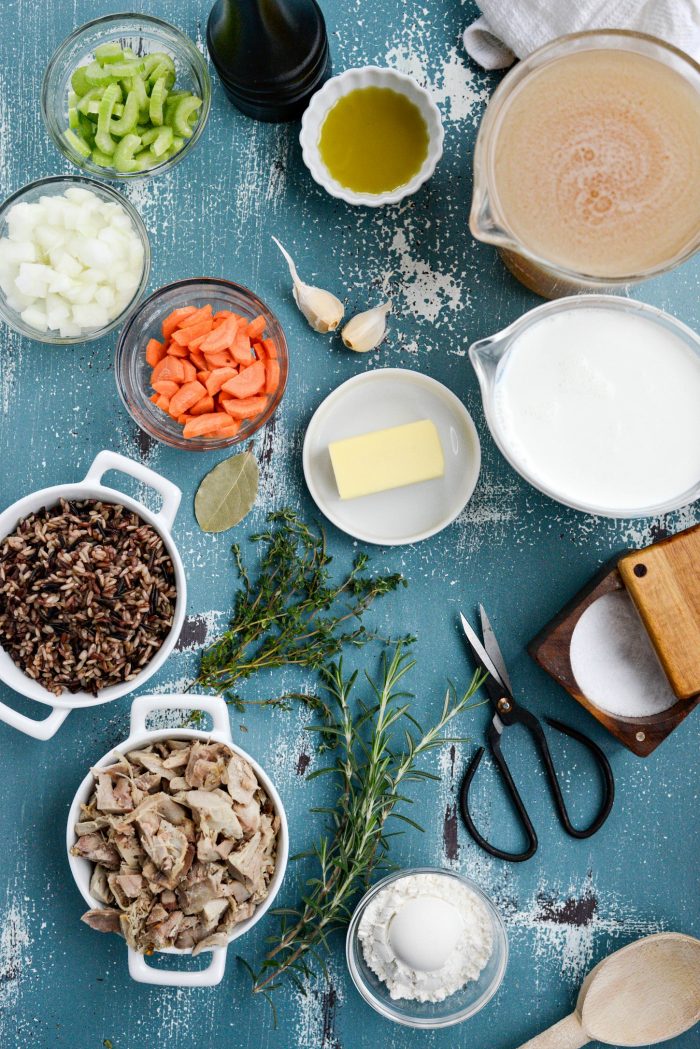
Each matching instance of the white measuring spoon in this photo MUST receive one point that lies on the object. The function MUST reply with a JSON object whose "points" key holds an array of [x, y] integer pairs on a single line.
{"points": [[642, 994]]}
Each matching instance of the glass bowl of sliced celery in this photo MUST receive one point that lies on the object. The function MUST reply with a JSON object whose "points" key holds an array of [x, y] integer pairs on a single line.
{"points": [[126, 96]]}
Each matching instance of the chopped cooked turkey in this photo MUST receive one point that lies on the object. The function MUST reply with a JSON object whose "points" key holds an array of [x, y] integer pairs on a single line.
{"points": [[240, 779], [184, 843], [214, 811], [98, 849], [104, 919], [114, 792], [99, 885], [207, 764]]}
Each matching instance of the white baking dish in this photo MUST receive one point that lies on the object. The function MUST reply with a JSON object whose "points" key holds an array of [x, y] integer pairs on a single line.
{"points": [[91, 488], [140, 737]]}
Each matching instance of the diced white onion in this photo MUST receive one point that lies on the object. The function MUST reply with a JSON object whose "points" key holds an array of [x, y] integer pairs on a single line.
{"points": [[70, 263]]}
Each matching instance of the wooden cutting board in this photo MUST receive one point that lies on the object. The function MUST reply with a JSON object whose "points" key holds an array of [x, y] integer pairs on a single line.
{"points": [[663, 580]]}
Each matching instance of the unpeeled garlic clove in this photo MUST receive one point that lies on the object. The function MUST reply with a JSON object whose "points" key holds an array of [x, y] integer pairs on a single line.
{"points": [[365, 331], [322, 309]]}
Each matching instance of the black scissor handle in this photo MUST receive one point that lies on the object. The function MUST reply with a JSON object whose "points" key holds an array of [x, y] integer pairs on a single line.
{"points": [[605, 771], [513, 857], [527, 719]]}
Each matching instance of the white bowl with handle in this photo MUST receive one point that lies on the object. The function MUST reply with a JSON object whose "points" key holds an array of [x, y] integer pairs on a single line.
{"points": [[92, 488], [139, 737], [339, 86]]}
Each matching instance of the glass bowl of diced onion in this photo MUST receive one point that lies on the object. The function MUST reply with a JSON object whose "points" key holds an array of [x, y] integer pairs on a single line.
{"points": [[139, 36], [74, 259]]}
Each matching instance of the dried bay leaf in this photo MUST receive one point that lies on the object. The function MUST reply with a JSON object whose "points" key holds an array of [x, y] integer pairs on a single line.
{"points": [[227, 493]]}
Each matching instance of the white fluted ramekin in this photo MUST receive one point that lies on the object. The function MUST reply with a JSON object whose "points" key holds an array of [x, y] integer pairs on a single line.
{"points": [[339, 86], [140, 737]]}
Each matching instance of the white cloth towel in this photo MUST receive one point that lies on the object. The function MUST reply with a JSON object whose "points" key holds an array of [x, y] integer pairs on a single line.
{"points": [[510, 29]]}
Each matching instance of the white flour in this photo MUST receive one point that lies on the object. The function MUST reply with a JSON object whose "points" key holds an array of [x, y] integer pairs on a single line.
{"points": [[441, 956]]}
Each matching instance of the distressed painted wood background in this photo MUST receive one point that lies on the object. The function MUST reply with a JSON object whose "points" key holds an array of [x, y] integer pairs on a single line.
{"points": [[62, 985]]}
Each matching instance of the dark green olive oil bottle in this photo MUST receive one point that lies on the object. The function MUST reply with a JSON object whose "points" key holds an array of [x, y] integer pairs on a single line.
{"points": [[271, 55]]}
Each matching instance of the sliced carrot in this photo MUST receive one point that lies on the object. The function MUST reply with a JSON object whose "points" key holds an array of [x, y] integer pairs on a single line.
{"points": [[190, 371], [245, 407], [272, 375], [175, 318], [184, 418], [222, 337], [154, 397], [221, 315], [229, 431], [184, 336], [270, 348], [169, 368], [175, 350], [166, 386], [188, 394], [222, 359], [205, 406], [256, 327], [247, 382], [197, 358], [203, 376], [163, 402], [199, 315], [240, 348], [207, 424], [217, 378], [155, 351]]}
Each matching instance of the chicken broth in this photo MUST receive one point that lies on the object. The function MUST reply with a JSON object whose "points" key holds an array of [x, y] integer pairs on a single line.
{"points": [[596, 163]]}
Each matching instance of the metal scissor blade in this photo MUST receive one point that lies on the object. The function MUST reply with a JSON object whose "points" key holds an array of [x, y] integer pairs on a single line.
{"points": [[480, 652], [493, 649]]}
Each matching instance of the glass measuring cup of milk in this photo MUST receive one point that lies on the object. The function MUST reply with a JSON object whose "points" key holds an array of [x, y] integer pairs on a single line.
{"points": [[587, 163], [595, 401]]}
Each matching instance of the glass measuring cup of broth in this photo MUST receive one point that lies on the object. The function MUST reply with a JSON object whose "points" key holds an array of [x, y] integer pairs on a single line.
{"points": [[587, 163]]}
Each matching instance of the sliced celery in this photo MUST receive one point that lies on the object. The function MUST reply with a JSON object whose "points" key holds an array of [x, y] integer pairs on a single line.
{"points": [[162, 142], [103, 138], [111, 52], [181, 114], [155, 106], [98, 74], [124, 160], [79, 81], [128, 118], [123, 110], [152, 61], [103, 160], [77, 142]]}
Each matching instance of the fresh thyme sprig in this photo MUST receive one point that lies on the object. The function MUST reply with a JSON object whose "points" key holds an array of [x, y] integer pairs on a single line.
{"points": [[371, 767], [292, 613]]}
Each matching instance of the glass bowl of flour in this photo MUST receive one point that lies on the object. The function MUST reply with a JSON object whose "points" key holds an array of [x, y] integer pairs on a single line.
{"points": [[426, 948]]}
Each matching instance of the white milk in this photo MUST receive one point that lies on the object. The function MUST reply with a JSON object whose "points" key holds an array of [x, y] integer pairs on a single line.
{"points": [[602, 408]]}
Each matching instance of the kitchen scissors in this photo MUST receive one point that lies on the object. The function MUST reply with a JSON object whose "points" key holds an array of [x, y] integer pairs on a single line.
{"points": [[507, 713]]}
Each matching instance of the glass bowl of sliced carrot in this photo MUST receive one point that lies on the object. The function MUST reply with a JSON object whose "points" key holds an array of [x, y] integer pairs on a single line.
{"points": [[202, 364]]}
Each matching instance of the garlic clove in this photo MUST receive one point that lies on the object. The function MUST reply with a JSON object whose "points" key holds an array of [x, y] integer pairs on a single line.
{"points": [[322, 309], [365, 331]]}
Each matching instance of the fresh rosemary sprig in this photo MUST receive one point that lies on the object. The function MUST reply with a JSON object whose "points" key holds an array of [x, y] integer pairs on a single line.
{"points": [[376, 745], [292, 613]]}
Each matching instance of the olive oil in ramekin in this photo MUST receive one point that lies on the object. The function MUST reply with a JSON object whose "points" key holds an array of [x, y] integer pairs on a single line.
{"points": [[373, 140]]}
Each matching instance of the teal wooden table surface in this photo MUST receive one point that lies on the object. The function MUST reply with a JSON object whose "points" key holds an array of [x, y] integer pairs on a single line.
{"points": [[63, 985]]}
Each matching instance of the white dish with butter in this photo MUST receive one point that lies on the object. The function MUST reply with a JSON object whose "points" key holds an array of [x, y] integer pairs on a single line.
{"points": [[377, 400]]}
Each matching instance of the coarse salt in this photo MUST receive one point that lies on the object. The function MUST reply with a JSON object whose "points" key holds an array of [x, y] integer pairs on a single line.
{"points": [[613, 660]]}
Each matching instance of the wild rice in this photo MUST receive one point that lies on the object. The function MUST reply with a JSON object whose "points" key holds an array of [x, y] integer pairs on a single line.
{"points": [[87, 595]]}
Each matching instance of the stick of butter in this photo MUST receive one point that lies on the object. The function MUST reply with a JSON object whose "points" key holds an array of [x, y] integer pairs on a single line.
{"points": [[385, 459]]}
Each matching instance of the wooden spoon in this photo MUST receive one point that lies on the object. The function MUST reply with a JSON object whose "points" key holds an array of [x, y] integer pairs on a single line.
{"points": [[642, 994]]}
